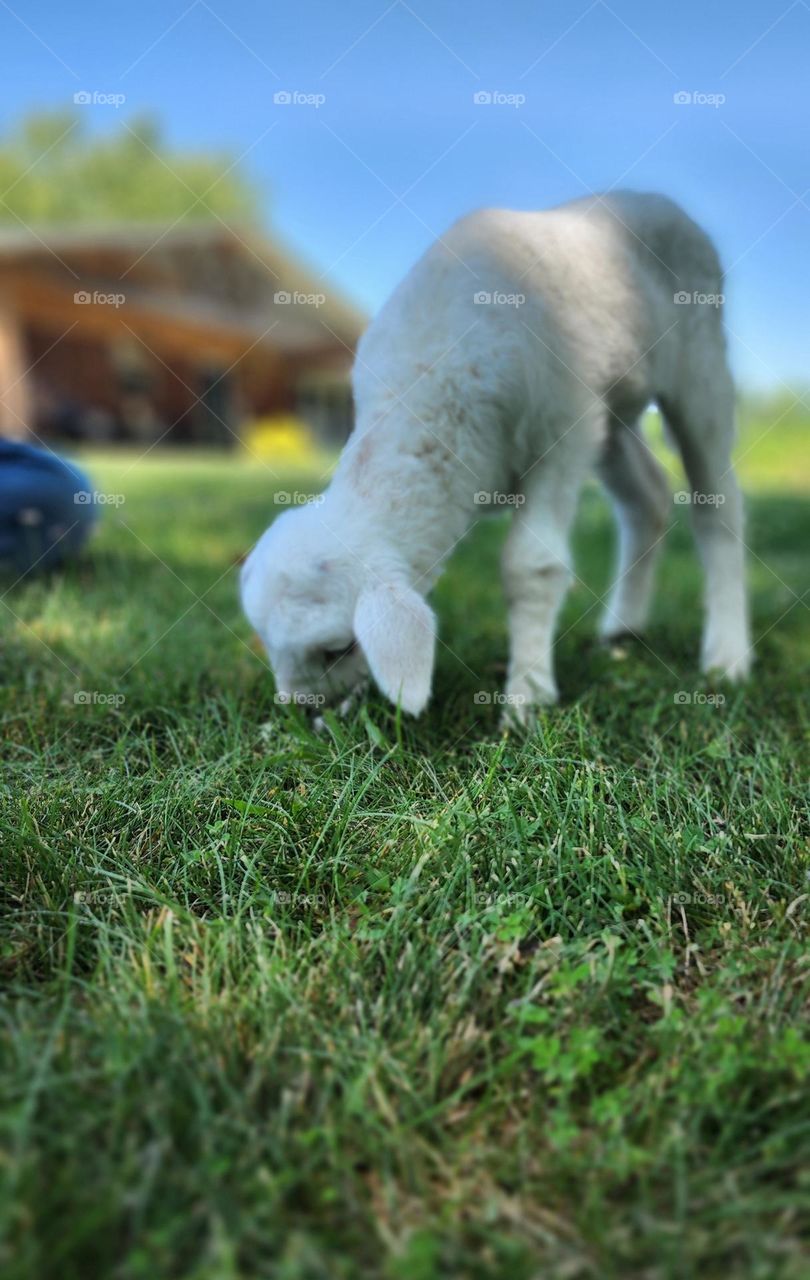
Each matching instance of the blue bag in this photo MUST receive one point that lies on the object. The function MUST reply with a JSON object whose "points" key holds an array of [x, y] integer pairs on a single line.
{"points": [[47, 508]]}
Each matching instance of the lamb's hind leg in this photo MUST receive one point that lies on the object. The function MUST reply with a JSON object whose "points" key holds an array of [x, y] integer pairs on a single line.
{"points": [[701, 418], [536, 574], [641, 498]]}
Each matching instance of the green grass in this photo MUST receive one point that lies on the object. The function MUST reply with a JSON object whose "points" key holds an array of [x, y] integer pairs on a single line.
{"points": [[410, 999]]}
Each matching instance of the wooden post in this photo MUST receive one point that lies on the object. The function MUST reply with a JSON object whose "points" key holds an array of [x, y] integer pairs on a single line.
{"points": [[16, 401]]}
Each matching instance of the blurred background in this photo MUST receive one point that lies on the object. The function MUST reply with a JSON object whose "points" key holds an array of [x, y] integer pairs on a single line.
{"points": [[201, 205]]}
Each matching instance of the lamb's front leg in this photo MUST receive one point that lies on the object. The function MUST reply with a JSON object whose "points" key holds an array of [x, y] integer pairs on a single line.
{"points": [[536, 575]]}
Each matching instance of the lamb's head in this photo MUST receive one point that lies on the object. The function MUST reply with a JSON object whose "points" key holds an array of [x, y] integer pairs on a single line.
{"points": [[331, 607]]}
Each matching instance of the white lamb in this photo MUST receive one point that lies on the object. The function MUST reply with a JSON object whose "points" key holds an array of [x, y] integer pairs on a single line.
{"points": [[515, 356]]}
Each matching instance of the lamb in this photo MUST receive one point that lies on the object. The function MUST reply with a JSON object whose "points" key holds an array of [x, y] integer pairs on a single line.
{"points": [[516, 356]]}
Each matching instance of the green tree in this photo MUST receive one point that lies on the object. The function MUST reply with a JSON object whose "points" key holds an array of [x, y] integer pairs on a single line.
{"points": [[53, 169]]}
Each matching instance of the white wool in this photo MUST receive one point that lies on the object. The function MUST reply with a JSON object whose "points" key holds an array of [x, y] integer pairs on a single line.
{"points": [[516, 355]]}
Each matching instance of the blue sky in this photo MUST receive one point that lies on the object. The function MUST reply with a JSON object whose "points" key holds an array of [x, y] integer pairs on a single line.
{"points": [[398, 146]]}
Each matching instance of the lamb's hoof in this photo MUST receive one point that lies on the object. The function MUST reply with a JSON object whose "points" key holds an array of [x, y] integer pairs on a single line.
{"points": [[733, 667], [523, 702], [516, 720]]}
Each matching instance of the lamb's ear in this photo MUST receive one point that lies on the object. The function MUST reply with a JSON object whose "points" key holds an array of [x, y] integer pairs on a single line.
{"points": [[396, 630]]}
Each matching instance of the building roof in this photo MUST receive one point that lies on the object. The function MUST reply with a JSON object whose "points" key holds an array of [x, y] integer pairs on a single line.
{"points": [[201, 275]]}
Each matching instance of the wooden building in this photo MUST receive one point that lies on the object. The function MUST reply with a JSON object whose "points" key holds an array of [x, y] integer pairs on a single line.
{"points": [[185, 333]]}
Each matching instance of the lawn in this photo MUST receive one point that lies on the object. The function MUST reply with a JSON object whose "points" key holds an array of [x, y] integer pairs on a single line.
{"points": [[409, 999]]}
